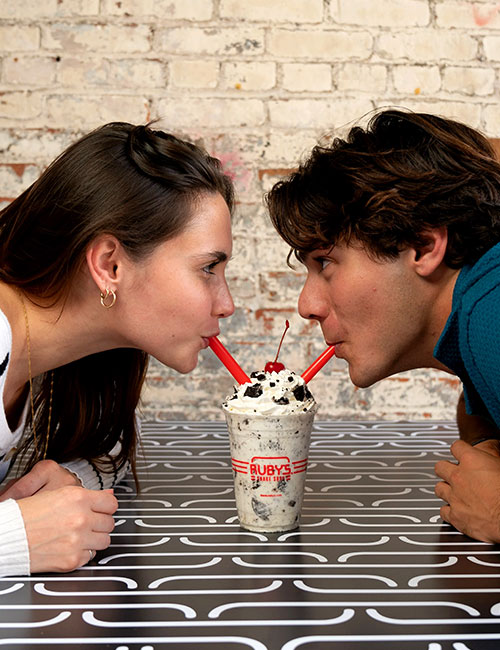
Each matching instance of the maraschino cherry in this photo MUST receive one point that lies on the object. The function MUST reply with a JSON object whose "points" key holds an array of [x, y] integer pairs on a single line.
{"points": [[276, 366]]}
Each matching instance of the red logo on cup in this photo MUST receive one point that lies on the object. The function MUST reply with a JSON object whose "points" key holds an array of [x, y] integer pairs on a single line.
{"points": [[269, 468]]}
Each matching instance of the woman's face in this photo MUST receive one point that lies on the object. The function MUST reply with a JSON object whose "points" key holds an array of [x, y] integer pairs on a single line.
{"points": [[175, 298]]}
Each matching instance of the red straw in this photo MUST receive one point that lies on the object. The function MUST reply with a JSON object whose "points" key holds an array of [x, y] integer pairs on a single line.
{"points": [[237, 372], [316, 366]]}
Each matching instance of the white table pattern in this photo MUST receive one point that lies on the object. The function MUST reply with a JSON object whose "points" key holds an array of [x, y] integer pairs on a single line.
{"points": [[371, 566]]}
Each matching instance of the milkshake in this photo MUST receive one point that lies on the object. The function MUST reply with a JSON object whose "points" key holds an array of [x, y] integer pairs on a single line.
{"points": [[269, 421]]}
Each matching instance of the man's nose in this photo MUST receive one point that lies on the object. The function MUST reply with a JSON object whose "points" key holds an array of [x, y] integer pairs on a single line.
{"points": [[313, 304]]}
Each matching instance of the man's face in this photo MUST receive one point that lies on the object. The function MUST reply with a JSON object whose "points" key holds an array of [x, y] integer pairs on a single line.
{"points": [[374, 311]]}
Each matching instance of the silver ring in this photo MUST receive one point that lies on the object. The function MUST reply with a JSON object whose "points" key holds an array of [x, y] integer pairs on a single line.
{"points": [[91, 553]]}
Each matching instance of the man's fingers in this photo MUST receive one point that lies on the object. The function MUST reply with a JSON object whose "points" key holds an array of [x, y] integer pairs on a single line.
{"points": [[445, 513], [459, 448], [444, 469], [443, 491]]}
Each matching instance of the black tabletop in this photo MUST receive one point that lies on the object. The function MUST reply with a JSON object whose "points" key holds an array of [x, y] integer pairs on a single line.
{"points": [[371, 566]]}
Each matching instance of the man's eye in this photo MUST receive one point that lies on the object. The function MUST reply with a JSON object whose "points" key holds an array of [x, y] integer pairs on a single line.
{"points": [[324, 263]]}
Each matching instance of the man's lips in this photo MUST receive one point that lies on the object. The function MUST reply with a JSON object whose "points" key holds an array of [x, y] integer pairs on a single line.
{"points": [[337, 345]]}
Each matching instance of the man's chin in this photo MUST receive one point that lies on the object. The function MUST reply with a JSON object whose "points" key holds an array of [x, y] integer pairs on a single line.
{"points": [[361, 382]]}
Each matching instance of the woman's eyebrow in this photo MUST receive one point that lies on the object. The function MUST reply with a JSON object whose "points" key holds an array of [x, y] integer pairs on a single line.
{"points": [[218, 256]]}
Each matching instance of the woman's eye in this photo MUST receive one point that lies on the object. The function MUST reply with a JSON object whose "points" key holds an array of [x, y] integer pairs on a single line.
{"points": [[208, 268]]}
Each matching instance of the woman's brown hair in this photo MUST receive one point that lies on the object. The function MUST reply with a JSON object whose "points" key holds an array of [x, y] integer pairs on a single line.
{"points": [[139, 185], [387, 184]]}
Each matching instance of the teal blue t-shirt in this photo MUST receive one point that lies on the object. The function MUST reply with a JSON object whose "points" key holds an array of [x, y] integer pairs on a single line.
{"points": [[470, 342]]}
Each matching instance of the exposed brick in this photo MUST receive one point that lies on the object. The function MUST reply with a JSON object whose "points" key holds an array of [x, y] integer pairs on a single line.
{"points": [[87, 112], [319, 44], [269, 177], [281, 286], [492, 120], [362, 78], [469, 81], [492, 47], [79, 38], [417, 79], [224, 113], [288, 147], [35, 71], [467, 15], [427, 46], [194, 73], [464, 111], [383, 13], [300, 77], [122, 73], [293, 11], [221, 42], [250, 76], [14, 178], [17, 38], [316, 114], [33, 9], [40, 145], [19, 105], [164, 9]]}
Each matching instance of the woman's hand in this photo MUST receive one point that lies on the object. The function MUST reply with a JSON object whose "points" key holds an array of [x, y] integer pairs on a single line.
{"points": [[45, 475], [64, 525], [471, 489]]}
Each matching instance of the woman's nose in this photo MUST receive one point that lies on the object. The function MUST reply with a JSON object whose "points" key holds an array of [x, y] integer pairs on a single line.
{"points": [[225, 304], [312, 303]]}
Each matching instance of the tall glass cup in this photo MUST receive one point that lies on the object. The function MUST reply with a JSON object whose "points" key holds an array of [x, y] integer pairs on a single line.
{"points": [[269, 455]]}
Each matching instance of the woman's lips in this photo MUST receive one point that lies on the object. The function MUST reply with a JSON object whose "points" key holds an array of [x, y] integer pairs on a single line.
{"points": [[205, 339]]}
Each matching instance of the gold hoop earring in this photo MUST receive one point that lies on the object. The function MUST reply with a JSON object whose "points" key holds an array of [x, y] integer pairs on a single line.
{"points": [[105, 296]]}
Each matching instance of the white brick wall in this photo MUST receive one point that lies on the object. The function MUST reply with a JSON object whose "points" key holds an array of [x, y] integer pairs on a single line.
{"points": [[259, 83]]}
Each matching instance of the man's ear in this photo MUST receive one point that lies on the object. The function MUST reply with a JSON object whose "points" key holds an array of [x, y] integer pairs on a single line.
{"points": [[104, 262], [429, 256]]}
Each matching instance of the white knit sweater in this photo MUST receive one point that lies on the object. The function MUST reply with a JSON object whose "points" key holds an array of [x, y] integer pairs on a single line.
{"points": [[14, 552]]}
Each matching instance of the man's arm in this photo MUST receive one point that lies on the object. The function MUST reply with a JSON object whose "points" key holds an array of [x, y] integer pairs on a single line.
{"points": [[474, 427]]}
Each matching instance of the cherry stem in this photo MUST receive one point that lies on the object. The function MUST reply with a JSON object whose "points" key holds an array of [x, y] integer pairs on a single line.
{"points": [[287, 325]]}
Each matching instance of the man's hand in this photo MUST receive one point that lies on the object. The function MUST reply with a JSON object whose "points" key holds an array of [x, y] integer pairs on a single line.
{"points": [[44, 476], [63, 525], [471, 489]]}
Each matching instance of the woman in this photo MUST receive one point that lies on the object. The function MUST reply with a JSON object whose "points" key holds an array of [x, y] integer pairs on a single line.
{"points": [[116, 252]]}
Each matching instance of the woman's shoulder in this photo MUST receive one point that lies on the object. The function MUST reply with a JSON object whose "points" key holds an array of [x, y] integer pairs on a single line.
{"points": [[5, 341]]}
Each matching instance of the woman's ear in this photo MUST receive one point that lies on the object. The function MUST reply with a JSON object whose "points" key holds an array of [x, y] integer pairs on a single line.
{"points": [[104, 262], [431, 254]]}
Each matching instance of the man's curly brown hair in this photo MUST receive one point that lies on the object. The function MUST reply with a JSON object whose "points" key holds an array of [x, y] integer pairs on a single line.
{"points": [[388, 184]]}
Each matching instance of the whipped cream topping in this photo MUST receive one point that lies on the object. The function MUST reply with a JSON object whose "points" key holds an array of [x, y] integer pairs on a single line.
{"points": [[271, 393]]}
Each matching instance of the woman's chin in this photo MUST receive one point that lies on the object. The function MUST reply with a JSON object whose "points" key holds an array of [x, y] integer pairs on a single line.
{"points": [[182, 366]]}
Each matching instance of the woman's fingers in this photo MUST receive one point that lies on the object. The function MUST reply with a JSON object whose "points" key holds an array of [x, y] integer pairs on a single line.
{"points": [[103, 501], [65, 524]]}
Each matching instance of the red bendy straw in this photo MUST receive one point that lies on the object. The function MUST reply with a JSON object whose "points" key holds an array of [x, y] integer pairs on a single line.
{"points": [[238, 373], [316, 366]]}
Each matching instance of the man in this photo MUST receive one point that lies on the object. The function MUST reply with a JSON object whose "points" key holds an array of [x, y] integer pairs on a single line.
{"points": [[399, 229]]}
